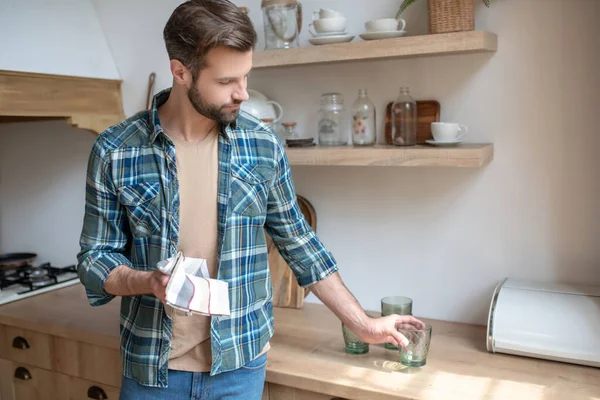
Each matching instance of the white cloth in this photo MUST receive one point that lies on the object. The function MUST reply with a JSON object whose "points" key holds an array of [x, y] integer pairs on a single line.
{"points": [[191, 289]]}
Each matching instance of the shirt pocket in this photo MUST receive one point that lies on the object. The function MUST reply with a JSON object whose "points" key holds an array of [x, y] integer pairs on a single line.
{"points": [[250, 188], [143, 210]]}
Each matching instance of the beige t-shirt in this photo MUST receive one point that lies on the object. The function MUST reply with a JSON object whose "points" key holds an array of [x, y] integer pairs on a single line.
{"points": [[197, 172]]}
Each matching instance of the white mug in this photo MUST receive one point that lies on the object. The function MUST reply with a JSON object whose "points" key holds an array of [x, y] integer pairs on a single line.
{"points": [[384, 25], [448, 131]]}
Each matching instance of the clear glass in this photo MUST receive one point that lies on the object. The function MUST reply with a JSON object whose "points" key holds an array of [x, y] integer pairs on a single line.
{"points": [[415, 353], [399, 305], [404, 119], [364, 132], [332, 120], [289, 131], [353, 344], [281, 24]]}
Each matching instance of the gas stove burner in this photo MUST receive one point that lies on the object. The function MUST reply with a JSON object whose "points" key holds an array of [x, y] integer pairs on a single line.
{"points": [[37, 273], [41, 282], [31, 277]]}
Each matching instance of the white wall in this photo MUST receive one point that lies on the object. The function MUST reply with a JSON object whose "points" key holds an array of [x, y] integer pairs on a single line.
{"points": [[42, 189], [445, 237], [62, 37]]}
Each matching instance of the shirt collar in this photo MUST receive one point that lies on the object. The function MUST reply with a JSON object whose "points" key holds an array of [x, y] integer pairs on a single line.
{"points": [[156, 128]]}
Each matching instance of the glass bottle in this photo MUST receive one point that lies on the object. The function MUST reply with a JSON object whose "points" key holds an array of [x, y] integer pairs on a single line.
{"points": [[404, 119], [332, 120], [364, 132]]}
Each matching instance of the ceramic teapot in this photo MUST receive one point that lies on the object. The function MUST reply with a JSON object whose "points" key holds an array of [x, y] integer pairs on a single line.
{"points": [[261, 107]]}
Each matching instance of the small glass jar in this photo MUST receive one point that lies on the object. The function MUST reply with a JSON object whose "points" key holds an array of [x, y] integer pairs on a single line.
{"points": [[364, 132], [332, 120], [282, 20], [404, 119], [289, 131]]}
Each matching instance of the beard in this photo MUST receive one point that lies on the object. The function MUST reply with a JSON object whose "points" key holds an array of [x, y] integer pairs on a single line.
{"points": [[215, 112]]}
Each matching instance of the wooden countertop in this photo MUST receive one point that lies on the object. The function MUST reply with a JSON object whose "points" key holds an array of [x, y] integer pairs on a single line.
{"points": [[308, 353]]}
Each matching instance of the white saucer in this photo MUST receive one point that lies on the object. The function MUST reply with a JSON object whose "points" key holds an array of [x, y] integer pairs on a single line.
{"points": [[444, 144], [382, 35], [331, 39], [320, 35]]}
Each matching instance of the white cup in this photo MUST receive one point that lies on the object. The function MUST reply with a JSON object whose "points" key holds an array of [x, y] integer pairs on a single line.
{"points": [[326, 13], [384, 25], [448, 131], [328, 25]]}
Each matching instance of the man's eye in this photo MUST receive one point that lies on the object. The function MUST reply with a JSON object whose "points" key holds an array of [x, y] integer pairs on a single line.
{"points": [[225, 82]]}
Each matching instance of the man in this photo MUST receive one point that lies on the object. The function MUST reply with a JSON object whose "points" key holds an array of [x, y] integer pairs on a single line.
{"points": [[195, 175]]}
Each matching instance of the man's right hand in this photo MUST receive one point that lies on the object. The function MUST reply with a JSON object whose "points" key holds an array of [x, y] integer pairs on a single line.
{"points": [[124, 281], [158, 283]]}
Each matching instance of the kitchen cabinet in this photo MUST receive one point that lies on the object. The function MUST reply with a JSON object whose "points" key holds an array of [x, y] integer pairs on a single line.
{"points": [[306, 360], [88, 103], [24, 382], [35, 365]]}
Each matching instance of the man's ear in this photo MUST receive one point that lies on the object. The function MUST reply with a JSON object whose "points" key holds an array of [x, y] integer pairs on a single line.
{"points": [[181, 74]]}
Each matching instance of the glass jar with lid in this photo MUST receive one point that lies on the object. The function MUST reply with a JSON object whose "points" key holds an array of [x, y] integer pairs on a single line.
{"points": [[332, 126], [282, 20]]}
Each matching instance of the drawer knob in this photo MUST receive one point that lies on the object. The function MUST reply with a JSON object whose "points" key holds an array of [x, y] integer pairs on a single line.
{"points": [[22, 374], [20, 343], [95, 392]]}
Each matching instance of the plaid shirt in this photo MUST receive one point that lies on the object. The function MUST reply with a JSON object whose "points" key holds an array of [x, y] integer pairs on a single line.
{"points": [[132, 219]]}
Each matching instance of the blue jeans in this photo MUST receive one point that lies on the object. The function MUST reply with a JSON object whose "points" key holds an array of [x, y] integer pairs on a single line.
{"points": [[245, 383]]}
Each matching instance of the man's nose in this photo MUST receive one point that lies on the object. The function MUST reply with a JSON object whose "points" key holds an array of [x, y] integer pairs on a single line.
{"points": [[241, 94]]}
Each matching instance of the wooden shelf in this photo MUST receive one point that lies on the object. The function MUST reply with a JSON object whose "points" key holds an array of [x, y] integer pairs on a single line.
{"points": [[89, 103], [465, 155], [361, 50]]}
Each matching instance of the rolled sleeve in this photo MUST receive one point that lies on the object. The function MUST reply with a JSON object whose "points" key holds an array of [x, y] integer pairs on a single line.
{"points": [[104, 235], [292, 235]]}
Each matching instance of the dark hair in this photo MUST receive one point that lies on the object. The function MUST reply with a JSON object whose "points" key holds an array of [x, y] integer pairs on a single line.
{"points": [[198, 26]]}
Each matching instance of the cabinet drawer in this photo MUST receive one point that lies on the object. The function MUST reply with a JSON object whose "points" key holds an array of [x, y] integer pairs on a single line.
{"points": [[25, 382], [70, 388], [91, 362], [280, 392], [25, 346]]}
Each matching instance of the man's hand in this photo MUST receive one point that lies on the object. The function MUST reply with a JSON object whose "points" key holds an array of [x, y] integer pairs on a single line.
{"points": [[124, 281], [335, 295], [385, 329], [158, 283]]}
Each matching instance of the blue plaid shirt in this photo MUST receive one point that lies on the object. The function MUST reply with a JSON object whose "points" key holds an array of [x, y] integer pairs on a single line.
{"points": [[132, 219]]}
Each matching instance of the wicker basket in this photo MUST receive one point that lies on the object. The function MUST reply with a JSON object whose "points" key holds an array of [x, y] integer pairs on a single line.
{"points": [[451, 15]]}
